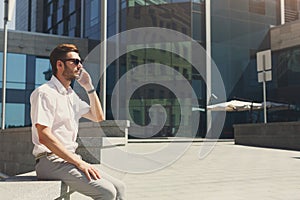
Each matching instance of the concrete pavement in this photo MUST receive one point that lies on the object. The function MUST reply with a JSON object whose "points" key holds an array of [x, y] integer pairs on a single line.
{"points": [[228, 172]]}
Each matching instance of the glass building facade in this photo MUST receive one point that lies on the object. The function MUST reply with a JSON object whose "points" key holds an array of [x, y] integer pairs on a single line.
{"points": [[239, 29], [24, 73]]}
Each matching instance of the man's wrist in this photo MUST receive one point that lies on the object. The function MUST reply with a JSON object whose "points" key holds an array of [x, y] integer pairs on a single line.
{"points": [[91, 91]]}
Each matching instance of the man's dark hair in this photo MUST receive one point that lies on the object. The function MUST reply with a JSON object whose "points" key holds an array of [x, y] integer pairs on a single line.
{"points": [[60, 53]]}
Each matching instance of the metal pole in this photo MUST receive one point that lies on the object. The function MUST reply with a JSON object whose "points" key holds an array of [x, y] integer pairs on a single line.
{"points": [[282, 12], [82, 19], [4, 64], [208, 65], [265, 98], [103, 52], [117, 104]]}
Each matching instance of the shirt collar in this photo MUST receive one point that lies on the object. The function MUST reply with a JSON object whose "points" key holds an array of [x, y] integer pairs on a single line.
{"points": [[60, 88]]}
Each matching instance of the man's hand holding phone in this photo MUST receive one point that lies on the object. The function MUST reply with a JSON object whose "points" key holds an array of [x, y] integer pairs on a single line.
{"points": [[85, 80]]}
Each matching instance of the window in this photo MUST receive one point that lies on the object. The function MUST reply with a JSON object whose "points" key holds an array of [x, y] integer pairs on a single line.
{"points": [[161, 94], [72, 6], [137, 117], [257, 6], [49, 9], [49, 22], [60, 14], [60, 28], [185, 73], [72, 21], [123, 4], [42, 71], [60, 3], [16, 71], [151, 94], [11, 109], [94, 12]]}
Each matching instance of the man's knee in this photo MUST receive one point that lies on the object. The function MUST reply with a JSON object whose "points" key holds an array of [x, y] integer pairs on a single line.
{"points": [[121, 190], [109, 193]]}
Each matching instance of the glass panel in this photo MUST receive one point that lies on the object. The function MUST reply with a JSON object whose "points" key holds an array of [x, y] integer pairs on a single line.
{"points": [[72, 23], [16, 71], [10, 119], [50, 9], [60, 14], [49, 23], [123, 4], [60, 3], [71, 6], [42, 71], [94, 19], [72, 32], [179, 1], [132, 3], [198, 26], [60, 28]]}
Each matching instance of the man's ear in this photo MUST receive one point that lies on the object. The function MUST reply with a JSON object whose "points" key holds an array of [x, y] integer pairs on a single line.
{"points": [[59, 64]]}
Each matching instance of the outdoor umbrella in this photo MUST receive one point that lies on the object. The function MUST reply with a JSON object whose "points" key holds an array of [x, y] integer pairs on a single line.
{"points": [[235, 105]]}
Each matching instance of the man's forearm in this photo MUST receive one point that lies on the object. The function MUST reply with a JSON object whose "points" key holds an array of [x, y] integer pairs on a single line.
{"points": [[96, 112], [55, 146]]}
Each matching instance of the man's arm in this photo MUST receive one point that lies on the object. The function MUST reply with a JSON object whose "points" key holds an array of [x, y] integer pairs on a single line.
{"points": [[55, 146], [96, 113]]}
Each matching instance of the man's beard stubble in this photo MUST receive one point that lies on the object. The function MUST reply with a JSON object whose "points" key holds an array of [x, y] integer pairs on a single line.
{"points": [[69, 74]]}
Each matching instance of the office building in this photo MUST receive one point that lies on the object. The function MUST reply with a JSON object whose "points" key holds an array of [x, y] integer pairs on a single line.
{"points": [[239, 29]]}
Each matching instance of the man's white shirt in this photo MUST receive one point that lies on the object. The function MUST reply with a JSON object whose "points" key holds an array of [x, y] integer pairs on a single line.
{"points": [[58, 108]]}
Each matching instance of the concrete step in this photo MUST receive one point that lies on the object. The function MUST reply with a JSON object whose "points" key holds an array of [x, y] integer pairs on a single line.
{"points": [[27, 187]]}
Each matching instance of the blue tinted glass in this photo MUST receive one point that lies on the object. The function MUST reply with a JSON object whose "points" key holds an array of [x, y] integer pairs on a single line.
{"points": [[16, 71], [94, 12], [60, 28], [198, 26], [49, 23], [179, 1], [42, 68], [11, 109], [59, 14], [1, 65], [71, 6], [60, 3]]}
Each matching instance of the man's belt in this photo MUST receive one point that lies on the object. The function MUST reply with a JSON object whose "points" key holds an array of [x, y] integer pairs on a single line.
{"points": [[44, 154]]}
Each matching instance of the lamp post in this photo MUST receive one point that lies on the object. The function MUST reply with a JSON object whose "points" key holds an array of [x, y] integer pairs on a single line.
{"points": [[282, 12], [208, 65], [4, 64], [103, 52], [9, 6]]}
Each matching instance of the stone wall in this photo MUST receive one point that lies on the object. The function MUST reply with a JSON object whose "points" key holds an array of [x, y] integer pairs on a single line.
{"points": [[16, 146], [285, 36], [282, 135], [40, 44]]}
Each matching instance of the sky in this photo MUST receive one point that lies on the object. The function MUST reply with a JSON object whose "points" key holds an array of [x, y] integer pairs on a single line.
{"points": [[10, 24]]}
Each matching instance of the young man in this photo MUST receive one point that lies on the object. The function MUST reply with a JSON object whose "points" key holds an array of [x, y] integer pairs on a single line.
{"points": [[55, 113]]}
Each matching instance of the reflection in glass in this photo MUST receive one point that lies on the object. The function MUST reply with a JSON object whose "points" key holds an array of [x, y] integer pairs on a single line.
{"points": [[11, 120], [94, 12], [42, 71], [16, 71]]}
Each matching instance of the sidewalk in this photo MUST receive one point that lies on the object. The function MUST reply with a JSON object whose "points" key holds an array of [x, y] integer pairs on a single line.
{"points": [[229, 172]]}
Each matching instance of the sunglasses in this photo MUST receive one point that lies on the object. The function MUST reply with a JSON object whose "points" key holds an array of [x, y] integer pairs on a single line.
{"points": [[74, 60]]}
